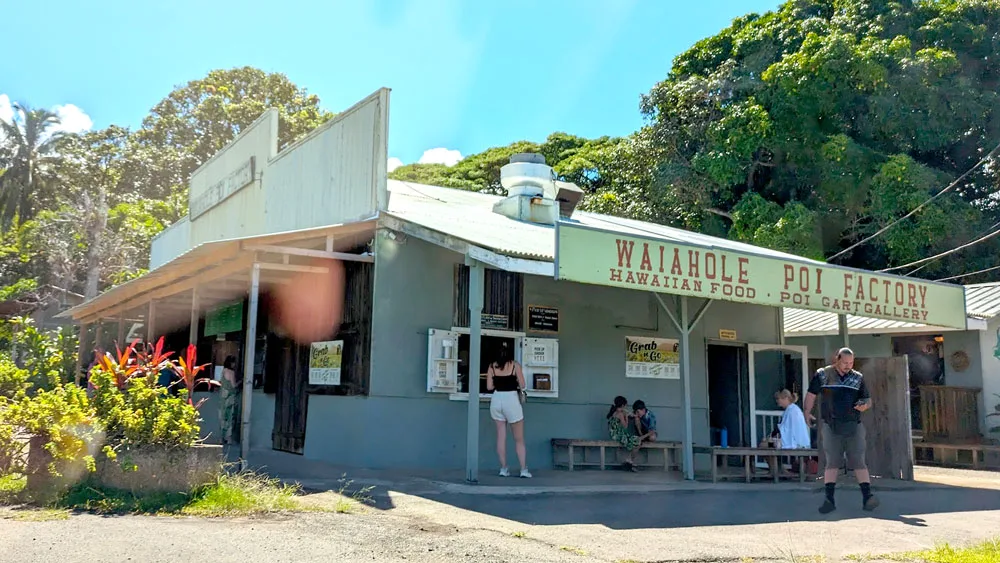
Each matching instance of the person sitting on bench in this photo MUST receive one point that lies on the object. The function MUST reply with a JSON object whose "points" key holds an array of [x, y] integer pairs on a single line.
{"points": [[645, 422]]}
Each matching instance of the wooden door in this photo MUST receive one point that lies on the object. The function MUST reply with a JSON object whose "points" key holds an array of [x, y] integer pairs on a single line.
{"points": [[291, 370]]}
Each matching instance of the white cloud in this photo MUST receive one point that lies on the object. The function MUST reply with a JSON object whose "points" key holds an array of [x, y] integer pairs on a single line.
{"points": [[394, 163], [440, 155], [72, 119]]}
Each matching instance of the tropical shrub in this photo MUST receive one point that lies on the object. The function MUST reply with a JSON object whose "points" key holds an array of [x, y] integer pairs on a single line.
{"points": [[135, 410], [58, 429]]}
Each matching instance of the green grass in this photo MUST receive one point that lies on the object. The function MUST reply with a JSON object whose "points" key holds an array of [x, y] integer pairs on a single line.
{"points": [[243, 494], [240, 494], [986, 552]]}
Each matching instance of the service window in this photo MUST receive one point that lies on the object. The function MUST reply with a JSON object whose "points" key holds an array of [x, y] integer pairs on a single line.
{"points": [[448, 361]]}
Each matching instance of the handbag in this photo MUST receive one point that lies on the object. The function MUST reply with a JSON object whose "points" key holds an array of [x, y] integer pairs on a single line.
{"points": [[522, 396]]}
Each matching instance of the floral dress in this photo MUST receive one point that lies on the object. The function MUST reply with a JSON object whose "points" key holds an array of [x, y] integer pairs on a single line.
{"points": [[620, 434], [229, 409]]}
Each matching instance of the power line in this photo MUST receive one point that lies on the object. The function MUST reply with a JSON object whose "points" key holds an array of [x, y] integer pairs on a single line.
{"points": [[979, 234], [945, 253], [919, 207], [969, 274]]}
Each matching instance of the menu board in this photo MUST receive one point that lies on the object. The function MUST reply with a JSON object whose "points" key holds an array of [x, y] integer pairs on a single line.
{"points": [[543, 319], [228, 318]]}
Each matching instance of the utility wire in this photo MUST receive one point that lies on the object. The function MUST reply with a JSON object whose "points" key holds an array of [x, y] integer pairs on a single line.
{"points": [[969, 274], [950, 187], [945, 253], [979, 234]]}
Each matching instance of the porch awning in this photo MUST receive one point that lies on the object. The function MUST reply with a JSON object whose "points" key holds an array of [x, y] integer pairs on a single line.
{"points": [[221, 271]]}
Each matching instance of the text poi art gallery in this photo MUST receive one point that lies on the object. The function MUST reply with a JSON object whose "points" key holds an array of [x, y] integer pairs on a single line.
{"points": [[592, 306]]}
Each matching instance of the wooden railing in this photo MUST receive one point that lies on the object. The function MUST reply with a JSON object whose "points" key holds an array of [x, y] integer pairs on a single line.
{"points": [[949, 414]]}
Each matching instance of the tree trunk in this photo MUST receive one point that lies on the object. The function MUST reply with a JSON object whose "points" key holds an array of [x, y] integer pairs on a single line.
{"points": [[96, 228]]}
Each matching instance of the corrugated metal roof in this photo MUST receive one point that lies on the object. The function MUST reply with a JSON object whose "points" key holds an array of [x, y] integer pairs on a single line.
{"points": [[469, 216], [803, 322], [982, 301]]}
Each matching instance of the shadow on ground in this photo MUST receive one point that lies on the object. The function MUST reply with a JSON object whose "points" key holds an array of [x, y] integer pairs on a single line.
{"points": [[638, 504]]}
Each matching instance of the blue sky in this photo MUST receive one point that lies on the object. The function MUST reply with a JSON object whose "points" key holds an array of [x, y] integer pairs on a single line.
{"points": [[465, 75]]}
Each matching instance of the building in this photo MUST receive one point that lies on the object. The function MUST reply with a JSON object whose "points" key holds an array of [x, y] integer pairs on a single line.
{"points": [[937, 355], [437, 279]]}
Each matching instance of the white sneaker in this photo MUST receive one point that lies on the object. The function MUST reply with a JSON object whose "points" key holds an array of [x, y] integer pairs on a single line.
{"points": [[504, 472], [525, 474]]}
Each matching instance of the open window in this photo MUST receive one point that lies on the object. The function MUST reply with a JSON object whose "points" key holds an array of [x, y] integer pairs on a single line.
{"points": [[448, 362]]}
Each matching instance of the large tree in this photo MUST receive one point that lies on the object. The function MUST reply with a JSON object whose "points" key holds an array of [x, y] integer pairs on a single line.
{"points": [[813, 126], [198, 119], [28, 158]]}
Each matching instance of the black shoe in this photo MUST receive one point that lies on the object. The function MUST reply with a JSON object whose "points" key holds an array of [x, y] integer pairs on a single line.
{"points": [[871, 503], [827, 507]]}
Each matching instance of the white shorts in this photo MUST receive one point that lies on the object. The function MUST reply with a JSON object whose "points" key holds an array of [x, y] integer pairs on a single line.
{"points": [[505, 406]]}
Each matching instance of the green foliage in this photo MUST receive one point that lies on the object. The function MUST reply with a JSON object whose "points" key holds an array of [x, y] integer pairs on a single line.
{"points": [[18, 289], [14, 381], [135, 412], [844, 116], [143, 414], [63, 424], [48, 356]]}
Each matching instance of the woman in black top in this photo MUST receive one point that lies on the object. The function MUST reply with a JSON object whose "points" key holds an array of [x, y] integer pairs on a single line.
{"points": [[506, 380]]}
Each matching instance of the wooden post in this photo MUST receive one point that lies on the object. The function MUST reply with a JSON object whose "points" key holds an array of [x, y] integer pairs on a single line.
{"points": [[476, 290], [249, 345]]}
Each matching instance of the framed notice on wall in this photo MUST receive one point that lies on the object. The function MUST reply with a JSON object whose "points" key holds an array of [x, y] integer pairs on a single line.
{"points": [[324, 362], [543, 319], [652, 358]]}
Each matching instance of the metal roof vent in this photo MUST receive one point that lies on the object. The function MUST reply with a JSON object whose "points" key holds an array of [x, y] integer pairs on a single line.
{"points": [[531, 190]]}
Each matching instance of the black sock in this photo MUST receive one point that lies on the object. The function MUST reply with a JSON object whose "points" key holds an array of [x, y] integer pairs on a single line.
{"points": [[866, 490], [829, 491]]}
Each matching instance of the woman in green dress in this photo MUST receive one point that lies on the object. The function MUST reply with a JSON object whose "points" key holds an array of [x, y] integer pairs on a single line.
{"points": [[230, 396], [618, 427]]}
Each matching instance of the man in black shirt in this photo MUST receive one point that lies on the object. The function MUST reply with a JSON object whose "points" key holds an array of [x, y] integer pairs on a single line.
{"points": [[844, 397]]}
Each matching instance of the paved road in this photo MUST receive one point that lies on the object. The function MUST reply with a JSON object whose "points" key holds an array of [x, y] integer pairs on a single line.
{"points": [[666, 526]]}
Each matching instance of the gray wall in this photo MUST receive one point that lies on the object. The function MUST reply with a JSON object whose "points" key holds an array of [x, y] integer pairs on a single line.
{"points": [[401, 425]]}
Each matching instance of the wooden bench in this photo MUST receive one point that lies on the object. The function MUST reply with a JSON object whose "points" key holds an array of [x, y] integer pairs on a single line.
{"points": [[748, 454], [937, 454], [671, 453]]}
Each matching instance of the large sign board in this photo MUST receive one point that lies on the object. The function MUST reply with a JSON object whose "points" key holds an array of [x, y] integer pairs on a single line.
{"points": [[599, 257], [236, 180]]}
